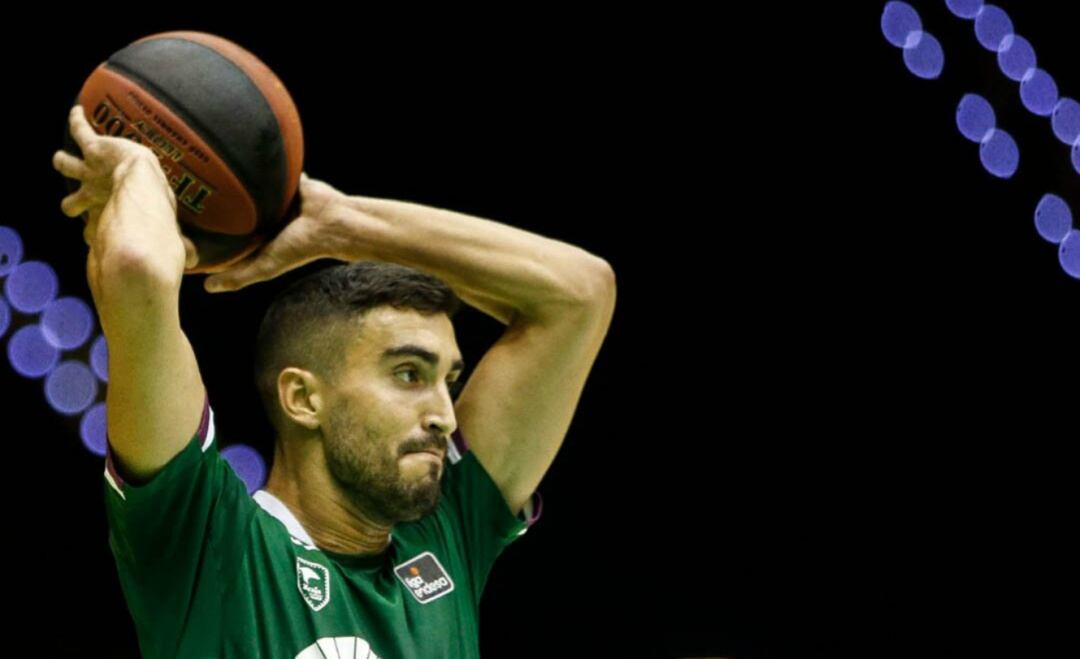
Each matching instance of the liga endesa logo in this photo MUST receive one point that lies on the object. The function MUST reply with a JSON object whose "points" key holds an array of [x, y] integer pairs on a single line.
{"points": [[425, 577]]}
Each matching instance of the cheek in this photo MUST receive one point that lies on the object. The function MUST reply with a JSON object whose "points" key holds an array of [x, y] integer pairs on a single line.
{"points": [[345, 437], [377, 419], [390, 413], [375, 402]]}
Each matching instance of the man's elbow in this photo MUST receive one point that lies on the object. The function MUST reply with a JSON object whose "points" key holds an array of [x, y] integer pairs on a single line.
{"points": [[602, 283]]}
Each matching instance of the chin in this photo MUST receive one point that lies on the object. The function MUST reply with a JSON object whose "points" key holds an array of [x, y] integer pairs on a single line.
{"points": [[426, 510]]}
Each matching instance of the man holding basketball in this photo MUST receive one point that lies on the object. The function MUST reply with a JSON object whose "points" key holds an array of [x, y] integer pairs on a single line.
{"points": [[388, 501]]}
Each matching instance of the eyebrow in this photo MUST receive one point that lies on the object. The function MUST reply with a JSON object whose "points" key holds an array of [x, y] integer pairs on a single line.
{"points": [[417, 351]]}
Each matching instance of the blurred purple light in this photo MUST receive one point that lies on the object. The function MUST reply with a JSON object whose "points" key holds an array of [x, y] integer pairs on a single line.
{"points": [[71, 388], [898, 20], [5, 316], [11, 250], [1066, 120], [99, 358], [965, 8], [248, 465], [1039, 92], [1053, 219], [999, 154], [992, 25], [30, 354], [1016, 57], [92, 429], [925, 59], [31, 286], [67, 322], [975, 118], [1069, 254]]}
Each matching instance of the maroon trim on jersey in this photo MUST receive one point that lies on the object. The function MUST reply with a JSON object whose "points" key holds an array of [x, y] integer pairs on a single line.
{"points": [[110, 467], [538, 507], [204, 425]]}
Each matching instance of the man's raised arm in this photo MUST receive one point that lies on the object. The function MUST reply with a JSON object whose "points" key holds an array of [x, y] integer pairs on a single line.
{"points": [[135, 264]]}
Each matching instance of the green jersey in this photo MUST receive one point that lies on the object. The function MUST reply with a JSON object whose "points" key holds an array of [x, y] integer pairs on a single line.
{"points": [[209, 570]]}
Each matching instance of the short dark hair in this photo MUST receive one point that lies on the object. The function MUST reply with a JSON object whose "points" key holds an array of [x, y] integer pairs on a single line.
{"points": [[308, 324]]}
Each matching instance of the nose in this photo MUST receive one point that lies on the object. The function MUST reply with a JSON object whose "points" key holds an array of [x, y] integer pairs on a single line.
{"points": [[440, 418]]}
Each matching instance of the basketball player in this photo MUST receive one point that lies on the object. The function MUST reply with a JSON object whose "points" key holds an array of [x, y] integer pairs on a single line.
{"points": [[388, 500]]}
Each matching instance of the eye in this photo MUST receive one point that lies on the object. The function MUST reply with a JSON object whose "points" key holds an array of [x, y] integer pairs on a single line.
{"points": [[454, 386], [409, 370]]}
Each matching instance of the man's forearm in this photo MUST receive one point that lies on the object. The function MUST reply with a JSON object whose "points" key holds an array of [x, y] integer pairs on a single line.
{"points": [[494, 267]]}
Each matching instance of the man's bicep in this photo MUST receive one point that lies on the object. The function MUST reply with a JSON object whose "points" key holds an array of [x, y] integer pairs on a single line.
{"points": [[155, 393]]}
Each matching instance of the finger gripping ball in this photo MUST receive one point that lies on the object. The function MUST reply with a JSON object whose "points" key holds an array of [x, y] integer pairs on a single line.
{"points": [[223, 126]]}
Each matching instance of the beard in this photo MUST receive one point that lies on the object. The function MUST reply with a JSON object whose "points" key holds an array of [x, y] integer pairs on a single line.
{"points": [[370, 475]]}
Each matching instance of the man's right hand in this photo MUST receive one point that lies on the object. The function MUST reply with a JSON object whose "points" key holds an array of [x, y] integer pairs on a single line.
{"points": [[129, 205]]}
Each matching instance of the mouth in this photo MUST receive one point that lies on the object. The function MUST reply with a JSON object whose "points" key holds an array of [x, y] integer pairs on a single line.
{"points": [[436, 453]]}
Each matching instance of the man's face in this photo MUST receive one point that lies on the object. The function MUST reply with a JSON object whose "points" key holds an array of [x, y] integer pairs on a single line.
{"points": [[390, 408]]}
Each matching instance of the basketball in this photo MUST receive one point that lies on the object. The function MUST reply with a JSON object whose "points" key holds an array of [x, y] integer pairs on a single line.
{"points": [[224, 128]]}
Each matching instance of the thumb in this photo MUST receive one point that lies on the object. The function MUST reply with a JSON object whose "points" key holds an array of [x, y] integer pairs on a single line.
{"points": [[244, 274], [216, 284], [266, 262]]}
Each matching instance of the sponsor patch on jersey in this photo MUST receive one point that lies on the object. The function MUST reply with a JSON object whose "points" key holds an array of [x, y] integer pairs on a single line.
{"points": [[424, 577], [313, 580]]}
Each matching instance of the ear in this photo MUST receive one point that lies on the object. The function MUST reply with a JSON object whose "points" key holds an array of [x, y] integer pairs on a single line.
{"points": [[300, 397]]}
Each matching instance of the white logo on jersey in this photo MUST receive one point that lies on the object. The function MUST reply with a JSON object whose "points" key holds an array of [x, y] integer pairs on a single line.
{"points": [[341, 647], [313, 580], [425, 577]]}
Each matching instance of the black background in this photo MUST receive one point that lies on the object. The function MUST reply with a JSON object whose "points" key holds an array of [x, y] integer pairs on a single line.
{"points": [[835, 402]]}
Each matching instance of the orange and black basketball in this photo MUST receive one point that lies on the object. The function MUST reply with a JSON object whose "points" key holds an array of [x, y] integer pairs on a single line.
{"points": [[223, 126]]}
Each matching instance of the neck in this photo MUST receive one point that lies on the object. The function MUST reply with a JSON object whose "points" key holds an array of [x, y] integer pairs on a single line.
{"points": [[334, 522]]}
